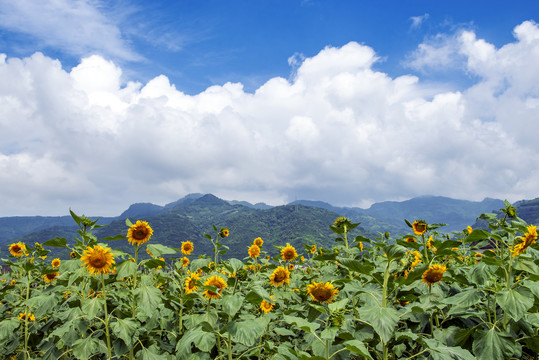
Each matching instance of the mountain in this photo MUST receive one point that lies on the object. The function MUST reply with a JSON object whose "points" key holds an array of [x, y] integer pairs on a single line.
{"points": [[528, 210]]}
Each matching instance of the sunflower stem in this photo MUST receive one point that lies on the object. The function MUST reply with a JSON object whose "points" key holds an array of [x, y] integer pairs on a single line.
{"points": [[26, 316], [107, 333]]}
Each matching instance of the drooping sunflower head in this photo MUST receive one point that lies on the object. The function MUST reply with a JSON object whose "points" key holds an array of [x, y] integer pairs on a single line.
{"points": [[410, 239], [434, 274], [419, 227], [191, 283], [469, 229], [280, 276], [322, 292], [219, 283], [254, 251], [55, 263], [288, 253], [266, 306], [185, 261], [50, 277], [97, 260], [73, 254], [187, 247], [342, 221], [258, 242], [224, 232], [17, 249], [139, 233], [26, 316]]}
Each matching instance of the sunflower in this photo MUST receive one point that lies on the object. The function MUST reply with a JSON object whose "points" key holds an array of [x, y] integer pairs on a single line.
{"points": [[322, 292], [528, 239], [185, 261], [291, 267], [187, 247], [280, 276], [419, 227], [139, 233], [410, 239], [434, 274], [191, 283], [97, 260], [17, 249], [258, 241], [149, 252], [302, 258], [430, 246], [265, 306], [254, 251], [216, 281], [73, 254], [469, 228], [288, 253], [50, 277], [55, 263], [27, 316], [224, 232], [313, 249]]}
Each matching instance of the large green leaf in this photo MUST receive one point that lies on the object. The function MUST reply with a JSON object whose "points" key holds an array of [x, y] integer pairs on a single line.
{"points": [[125, 330], [383, 320], [125, 269], [148, 298], [152, 353], [357, 266], [440, 351], [160, 250], [257, 294], [91, 307], [42, 304], [515, 302], [7, 329], [357, 347], [493, 345], [231, 304], [302, 323], [56, 242], [246, 332], [203, 340], [477, 235], [84, 348]]}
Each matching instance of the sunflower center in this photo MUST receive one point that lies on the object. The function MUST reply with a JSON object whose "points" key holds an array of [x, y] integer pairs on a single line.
{"points": [[139, 234], [434, 276], [16, 248], [279, 276], [98, 261], [322, 294]]}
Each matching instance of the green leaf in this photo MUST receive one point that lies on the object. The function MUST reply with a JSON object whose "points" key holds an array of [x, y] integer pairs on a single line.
{"points": [[357, 347], [464, 299], [493, 345], [92, 307], [203, 340], [234, 265], [515, 302], [160, 250], [152, 353], [126, 269], [148, 298], [246, 332], [338, 305], [383, 320], [257, 294], [443, 352], [395, 251], [329, 333], [56, 242], [231, 304], [527, 265], [477, 235], [284, 332], [357, 266], [7, 329], [114, 238], [42, 304], [84, 348], [198, 264], [303, 324], [125, 330]]}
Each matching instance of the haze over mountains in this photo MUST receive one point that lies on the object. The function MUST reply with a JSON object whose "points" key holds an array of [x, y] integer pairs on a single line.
{"points": [[299, 222]]}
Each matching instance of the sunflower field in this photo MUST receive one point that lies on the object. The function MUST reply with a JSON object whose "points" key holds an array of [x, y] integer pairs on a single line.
{"points": [[422, 295]]}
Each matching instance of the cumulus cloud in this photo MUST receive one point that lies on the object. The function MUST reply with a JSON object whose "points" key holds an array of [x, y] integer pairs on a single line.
{"points": [[77, 27], [418, 20], [338, 131]]}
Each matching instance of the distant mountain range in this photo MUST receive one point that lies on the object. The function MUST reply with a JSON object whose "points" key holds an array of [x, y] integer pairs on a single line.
{"points": [[299, 222]]}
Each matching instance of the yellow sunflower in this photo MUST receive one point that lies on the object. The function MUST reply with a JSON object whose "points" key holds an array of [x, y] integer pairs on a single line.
{"points": [[73, 254], [28, 316], [17, 249], [322, 292], [469, 228], [254, 251], [187, 247], [529, 239], [265, 306], [288, 253], [139, 233], [258, 241], [55, 263], [313, 249], [280, 276], [185, 261], [224, 232], [410, 239], [191, 283], [291, 267], [419, 227], [97, 260], [50, 277], [434, 274], [216, 281]]}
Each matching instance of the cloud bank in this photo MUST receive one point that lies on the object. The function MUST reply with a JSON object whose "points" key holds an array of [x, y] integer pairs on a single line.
{"points": [[338, 131]]}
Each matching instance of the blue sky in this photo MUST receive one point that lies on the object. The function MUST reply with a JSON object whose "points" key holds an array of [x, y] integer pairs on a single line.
{"points": [[107, 103]]}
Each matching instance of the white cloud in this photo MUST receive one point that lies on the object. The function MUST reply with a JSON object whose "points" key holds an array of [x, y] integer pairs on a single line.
{"points": [[340, 131], [418, 20], [77, 27]]}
